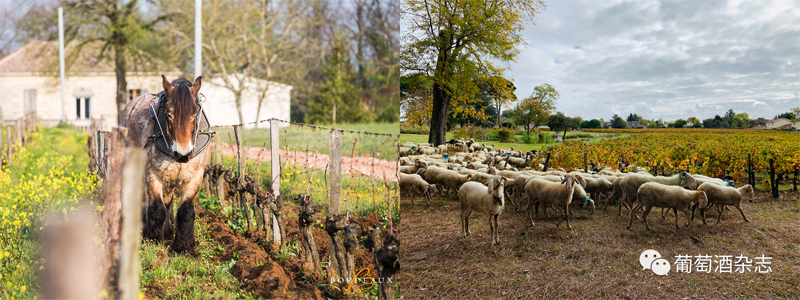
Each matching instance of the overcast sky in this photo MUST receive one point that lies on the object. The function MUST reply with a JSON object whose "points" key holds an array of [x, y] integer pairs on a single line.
{"points": [[664, 59]]}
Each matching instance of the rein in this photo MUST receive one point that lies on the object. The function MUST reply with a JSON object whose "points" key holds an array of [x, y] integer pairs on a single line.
{"points": [[161, 137]]}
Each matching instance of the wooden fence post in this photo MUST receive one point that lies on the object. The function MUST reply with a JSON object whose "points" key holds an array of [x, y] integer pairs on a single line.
{"points": [[794, 180], [275, 172], [242, 160], [218, 161], [70, 251], [585, 165], [9, 145], [546, 162], [130, 239], [110, 221], [335, 222], [773, 185], [750, 177], [18, 130], [335, 171]]}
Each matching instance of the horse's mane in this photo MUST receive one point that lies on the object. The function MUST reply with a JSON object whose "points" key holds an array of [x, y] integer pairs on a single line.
{"points": [[182, 102]]}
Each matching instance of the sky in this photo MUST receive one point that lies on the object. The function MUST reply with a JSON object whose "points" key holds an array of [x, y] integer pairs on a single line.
{"points": [[664, 59]]}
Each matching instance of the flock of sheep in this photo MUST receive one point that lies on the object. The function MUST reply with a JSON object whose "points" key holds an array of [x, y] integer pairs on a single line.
{"points": [[485, 180]]}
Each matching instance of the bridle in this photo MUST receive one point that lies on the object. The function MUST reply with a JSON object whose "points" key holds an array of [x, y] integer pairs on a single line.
{"points": [[160, 134]]}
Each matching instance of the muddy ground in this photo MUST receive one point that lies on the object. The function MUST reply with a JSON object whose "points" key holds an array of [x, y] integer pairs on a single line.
{"points": [[599, 257]]}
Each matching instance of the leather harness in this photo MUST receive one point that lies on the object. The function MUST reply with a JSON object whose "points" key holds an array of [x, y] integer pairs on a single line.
{"points": [[160, 136]]}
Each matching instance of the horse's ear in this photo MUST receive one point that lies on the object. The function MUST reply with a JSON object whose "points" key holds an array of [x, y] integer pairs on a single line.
{"points": [[167, 86], [196, 85]]}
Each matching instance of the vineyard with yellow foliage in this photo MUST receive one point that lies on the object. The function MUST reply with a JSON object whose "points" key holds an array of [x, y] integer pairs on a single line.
{"points": [[710, 152]]}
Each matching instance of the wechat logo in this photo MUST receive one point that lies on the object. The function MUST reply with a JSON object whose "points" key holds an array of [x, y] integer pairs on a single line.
{"points": [[651, 259]]}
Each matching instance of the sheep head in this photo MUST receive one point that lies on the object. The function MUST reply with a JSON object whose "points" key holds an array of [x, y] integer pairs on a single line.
{"points": [[580, 180], [747, 189], [432, 190], [703, 199], [686, 180], [495, 188]]}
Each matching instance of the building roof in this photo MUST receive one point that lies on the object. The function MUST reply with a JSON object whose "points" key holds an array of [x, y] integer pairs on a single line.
{"points": [[776, 120], [39, 57]]}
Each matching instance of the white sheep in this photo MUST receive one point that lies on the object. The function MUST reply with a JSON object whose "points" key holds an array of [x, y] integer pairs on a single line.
{"points": [[443, 178], [654, 194], [420, 164], [630, 184], [489, 200], [415, 185], [724, 195], [552, 193]]}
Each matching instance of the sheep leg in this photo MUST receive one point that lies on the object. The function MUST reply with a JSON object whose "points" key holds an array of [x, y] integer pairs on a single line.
{"points": [[630, 222], [566, 215], [646, 212], [464, 222], [530, 215], [676, 218], [739, 207], [703, 214], [469, 213], [664, 211], [720, 210]]}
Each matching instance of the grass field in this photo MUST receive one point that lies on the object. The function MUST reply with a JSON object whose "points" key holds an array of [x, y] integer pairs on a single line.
{"points": [[599, 257], [422, 138], [317, 140]]}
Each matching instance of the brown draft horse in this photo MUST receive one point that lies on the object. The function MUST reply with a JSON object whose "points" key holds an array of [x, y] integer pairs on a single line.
{"points": [[179, 174]]}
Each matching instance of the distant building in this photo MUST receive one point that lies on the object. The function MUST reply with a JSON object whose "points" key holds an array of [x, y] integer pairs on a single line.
{"points": [[777, 123], [29, 85], [633, 124]]}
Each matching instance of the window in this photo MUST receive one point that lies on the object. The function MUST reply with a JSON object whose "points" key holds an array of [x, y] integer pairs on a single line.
{"points": [[84, 113], [29, 104], [133, 93]]}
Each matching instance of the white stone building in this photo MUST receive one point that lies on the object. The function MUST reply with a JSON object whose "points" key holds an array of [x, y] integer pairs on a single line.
{"points": [[29, 83]]}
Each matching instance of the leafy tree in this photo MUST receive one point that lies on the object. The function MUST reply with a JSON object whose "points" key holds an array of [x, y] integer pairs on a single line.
{"points": [[741, 120], [337, 92], [694, 122], [710, 123], [796, 114], [558, 122], [593, 123], [617, 122], [787, 115], [536, 109], [634, 117], [671, 125], [729, 115], [119, 30], [680, 123], [415, 98], [500, 91], [458, 41]]}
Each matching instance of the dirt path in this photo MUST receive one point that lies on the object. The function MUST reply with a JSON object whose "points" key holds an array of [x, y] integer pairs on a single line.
{"points": [[360, 165], [599, 258]]}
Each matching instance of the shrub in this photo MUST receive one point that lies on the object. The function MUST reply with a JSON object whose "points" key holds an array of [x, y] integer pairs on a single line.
{"points": [[508, 125], [545, 137], [529, 139], [412, 129], [506, 135]]}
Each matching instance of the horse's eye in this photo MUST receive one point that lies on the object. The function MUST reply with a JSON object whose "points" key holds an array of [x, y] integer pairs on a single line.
{"points": [[169, 117]]}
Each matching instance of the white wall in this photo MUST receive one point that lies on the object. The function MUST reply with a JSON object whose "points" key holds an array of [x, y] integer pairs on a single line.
{"points": [[220, 104], [48, 95]]}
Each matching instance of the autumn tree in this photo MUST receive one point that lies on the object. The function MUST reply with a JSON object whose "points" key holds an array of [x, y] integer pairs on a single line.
{"points": [[536, 109], [415, 98], [458, 41], [500, 91], [617, 122]]}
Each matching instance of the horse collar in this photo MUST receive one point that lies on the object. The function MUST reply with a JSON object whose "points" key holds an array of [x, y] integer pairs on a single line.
{"points": [[202, 133]]}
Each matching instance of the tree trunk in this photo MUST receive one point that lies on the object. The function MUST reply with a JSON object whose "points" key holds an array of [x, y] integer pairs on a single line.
{"points": [[564, 137], [122, 85], [239, 106], [441, 107]]}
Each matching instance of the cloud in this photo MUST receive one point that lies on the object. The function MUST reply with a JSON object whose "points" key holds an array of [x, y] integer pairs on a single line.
{"points": [[664, 59]]}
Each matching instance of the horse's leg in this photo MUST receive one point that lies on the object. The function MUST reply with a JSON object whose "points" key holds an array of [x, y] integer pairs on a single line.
{"points": [[184, 222], [156, 211], [169, 228]]}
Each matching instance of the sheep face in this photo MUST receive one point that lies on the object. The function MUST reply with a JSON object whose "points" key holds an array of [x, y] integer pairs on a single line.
{"points": [[749, 190], [687, 181], [432, 190], [495, 188], [703, 199]]}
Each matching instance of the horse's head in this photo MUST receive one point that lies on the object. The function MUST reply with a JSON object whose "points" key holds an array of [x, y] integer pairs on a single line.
{"points": [[181, 109]]}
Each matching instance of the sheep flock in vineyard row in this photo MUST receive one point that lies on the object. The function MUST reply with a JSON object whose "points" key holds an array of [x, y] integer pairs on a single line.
{"points": [[473, 172]]}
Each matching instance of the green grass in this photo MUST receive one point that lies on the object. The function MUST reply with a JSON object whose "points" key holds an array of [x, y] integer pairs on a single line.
{"points": [[317, 140], [45, 178], [165, 275]]}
